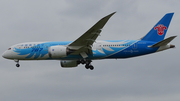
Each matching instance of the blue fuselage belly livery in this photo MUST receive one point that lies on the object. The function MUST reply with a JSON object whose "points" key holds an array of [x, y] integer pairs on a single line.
{"points": [[85, 49]]}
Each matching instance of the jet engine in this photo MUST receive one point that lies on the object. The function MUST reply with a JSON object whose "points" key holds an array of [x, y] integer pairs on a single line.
{"points": [[69, 63], [58, 51]]}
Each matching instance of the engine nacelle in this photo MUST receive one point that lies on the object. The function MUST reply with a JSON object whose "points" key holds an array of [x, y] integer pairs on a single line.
{"points": [[57, 51], [69, 63]]}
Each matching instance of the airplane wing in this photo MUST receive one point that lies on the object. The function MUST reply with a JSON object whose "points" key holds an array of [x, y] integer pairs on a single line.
{"points": [[82, 45]]}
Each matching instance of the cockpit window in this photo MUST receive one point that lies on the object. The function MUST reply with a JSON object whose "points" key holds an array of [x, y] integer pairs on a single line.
{"points": [[9, 48]]}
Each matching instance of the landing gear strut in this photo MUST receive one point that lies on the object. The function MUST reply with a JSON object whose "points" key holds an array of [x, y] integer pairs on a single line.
{"points": [[17, 61]]}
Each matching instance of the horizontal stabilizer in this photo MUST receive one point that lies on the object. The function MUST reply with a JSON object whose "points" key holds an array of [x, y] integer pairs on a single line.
{"points": [[163, 42]]}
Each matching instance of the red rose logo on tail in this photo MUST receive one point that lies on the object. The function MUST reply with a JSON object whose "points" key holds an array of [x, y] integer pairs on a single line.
{"points": [[160, 29]]}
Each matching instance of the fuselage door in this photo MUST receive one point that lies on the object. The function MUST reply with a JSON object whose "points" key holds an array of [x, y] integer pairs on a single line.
{"points": [[46, 47], [98, 46]]}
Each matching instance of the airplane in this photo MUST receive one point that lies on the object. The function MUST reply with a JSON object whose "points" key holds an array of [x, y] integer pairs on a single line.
{"points": [[86, 48]]}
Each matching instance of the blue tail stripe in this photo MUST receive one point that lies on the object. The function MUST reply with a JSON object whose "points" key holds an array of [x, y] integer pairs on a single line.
{"points": [[158, 32]]}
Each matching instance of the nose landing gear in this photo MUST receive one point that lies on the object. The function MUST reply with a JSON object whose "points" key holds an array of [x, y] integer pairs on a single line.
{"points": [[17, 65], [17, 61]]}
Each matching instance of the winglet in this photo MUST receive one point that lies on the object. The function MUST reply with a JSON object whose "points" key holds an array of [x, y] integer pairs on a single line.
{"points": [[103, 21], [108, 16]]}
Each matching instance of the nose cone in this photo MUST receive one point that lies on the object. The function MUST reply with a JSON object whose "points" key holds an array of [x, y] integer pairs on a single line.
{"points": [[7, 55], [4, 55]]}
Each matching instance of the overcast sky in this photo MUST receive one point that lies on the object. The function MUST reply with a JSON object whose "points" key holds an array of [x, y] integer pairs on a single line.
{"points": [[154, 77]]}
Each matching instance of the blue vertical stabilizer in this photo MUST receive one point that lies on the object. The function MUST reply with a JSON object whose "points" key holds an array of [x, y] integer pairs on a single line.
{"points": [[158, 32]]}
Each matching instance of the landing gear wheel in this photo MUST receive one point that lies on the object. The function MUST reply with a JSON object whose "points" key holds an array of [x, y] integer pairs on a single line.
{"points": [[17, 65], [83, 62], [91, 67], [87, 66]]}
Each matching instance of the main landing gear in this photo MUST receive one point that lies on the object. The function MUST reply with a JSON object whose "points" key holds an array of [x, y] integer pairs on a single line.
{"points": [[88, 64], [17, 61], [89, 67]]}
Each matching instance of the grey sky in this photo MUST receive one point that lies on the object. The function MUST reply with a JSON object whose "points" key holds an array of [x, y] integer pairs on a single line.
{"points": [[146, 78]]}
